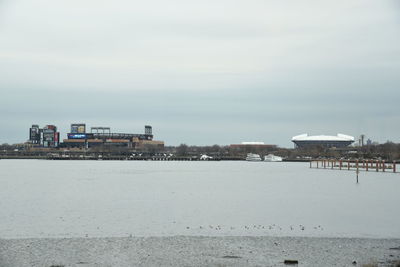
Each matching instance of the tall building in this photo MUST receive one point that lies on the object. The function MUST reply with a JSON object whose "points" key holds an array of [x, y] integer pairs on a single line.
{"points": [[50, 136], [35, 135], [46, 137]]}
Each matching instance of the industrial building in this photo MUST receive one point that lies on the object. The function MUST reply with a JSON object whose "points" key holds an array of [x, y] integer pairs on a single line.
{"points": [[102, 136], [44, 137], [252, 146], [327, 141]]}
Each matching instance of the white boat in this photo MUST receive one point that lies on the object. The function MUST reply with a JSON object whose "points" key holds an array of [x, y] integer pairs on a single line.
{"points": [[205, 157], [272, 158], [253, 157]]}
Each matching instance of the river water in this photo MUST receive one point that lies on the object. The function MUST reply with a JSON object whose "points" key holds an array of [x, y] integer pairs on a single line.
{"points": [[40, 198]]}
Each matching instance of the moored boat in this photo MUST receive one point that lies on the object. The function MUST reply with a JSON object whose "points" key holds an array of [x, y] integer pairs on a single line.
{"points": [[253, 157], [272, 158]]}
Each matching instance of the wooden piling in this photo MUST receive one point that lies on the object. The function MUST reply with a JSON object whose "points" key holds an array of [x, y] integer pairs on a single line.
{"points": [[367, 165], [394, 166], [383, 165], [348, 164], [340, 164], [377, 165], [357, 171]]}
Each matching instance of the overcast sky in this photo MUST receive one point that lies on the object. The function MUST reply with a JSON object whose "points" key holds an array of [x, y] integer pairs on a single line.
{"points": [[202, 72]]}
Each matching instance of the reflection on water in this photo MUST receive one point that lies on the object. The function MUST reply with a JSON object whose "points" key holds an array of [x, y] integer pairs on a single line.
{"points": [[146, 198]]}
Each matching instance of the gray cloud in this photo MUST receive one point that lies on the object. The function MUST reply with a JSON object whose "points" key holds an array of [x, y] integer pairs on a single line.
{"points": [[202, 72]]}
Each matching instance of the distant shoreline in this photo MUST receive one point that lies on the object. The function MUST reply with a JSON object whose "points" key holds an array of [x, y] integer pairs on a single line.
{"points": [[122, 157]]}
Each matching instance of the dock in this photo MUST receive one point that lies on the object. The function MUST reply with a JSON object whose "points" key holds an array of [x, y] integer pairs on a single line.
{"points": [[356, 165]]}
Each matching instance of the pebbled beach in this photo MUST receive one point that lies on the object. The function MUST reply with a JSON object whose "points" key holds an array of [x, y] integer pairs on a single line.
{"points": [[197, 251]]}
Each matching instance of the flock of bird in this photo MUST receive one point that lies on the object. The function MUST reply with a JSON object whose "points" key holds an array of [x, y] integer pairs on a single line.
{"points": [[256, 227]]}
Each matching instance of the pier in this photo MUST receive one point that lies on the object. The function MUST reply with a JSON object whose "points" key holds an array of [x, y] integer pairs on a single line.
{"points": [[357, 165]]}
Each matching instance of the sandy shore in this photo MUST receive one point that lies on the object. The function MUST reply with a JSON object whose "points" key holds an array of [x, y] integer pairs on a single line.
{"points": [[197, 251]]}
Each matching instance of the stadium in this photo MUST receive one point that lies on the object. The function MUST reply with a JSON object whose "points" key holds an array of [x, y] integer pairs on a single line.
{"points": [[328, 141]]}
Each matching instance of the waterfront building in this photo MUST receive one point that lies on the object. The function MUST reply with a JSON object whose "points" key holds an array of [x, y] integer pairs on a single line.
{"points": [[252, 147], [328, 141], [44, 137], [35, 134], [102, 136]]}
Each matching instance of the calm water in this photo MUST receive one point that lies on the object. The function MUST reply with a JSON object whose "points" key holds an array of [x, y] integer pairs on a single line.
{"points": [[144, 198]]}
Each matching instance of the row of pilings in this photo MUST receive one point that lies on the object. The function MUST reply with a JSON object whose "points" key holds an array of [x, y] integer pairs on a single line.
{"points": [[366, 165]]}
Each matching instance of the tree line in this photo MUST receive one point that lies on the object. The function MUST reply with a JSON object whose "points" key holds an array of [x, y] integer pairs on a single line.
{"points": [[388, 151]]}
